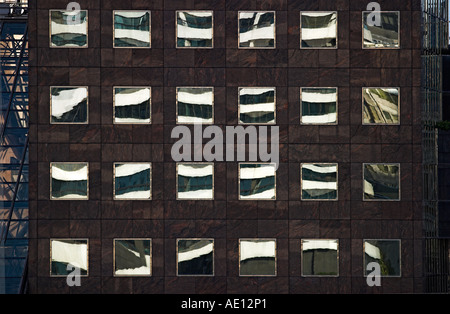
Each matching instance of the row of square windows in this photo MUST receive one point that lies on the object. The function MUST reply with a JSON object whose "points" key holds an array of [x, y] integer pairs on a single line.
{"points": [[195, 257], [256, 105], [195, 181], [194, 29]]}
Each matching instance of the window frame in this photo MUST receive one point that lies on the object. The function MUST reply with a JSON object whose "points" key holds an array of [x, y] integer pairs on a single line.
{"points": [[69, 123], [114, 180], [149, 29], [132, 275], [198, 11], [176, 180], [382, 48], [337, 259], [69, 199], [399, 181], [195, 275], [274, 105], [212, 105], [69, 239], [274, 30], [50, 29], [114, 105], [399, 255], [337, 30], [322, 123], [257, 199], [262, 240], [398, 106], [337, 182]]}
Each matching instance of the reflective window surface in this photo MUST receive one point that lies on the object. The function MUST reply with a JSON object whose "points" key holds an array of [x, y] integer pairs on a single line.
{"points": [[384, 252], [318, 105], [319, 181], [384, 35], [318, 29], [195, 257], [320, 258], [257, 105], [194, 29], [64, 252], [256, 181], [257, 257], [381, 105], [195, 181], [195, 105], [132, 181], [132, 29], [381, 182], [132, 257], [69, 180], [132, 105], [256, 29], [68, 28], [69, 104]]}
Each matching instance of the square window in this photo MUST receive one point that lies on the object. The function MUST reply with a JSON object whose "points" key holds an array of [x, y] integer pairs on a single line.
{"points": [[194, 29], [319, 181], [68, 29], [320, 258], [195, 105], [386, 253], [132, 105], [132, 181], [318, 105], [381, 106], [381, 29], [257, 181], [257, 105], [257, 29], [69, 181], [132, 257], [257, 257], [69, 105], [132, 29], [67, 255], [195, 257], [195, 181], [318, 30], [382, 182]]}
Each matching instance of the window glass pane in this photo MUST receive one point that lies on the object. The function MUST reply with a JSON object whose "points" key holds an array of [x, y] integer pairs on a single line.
{"points": [[68, 28], [381, 105], [319, 181], [132, 181], [195, 29], [195, 257], [195, 181], [195, 105], [257, 105], [381, 182], [256, 181], [384, 35], [132, 105], [256, 29], [65, 252], [132, 29], [257, 257], [384, 252], [318, 105], [69, 104], [69, 180], [320, 258], [318, 29], [132, 257]]}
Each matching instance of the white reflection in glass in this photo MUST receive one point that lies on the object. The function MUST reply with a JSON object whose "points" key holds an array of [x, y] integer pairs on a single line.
{"points": [[318, 105], [256, 181], [195, 105], [384, 36], [195, 181], [68, 28], [381, 181], [69, 104], [132, 181], [194, 29], [257, 257], [132, 105], [195, 257], [257, 105], [318, 29], [69, 180], [384, 252], [320, 258], [68, 251], [132, 257], [319, 181], [256, 29], [132, 29], [381, 105]]}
